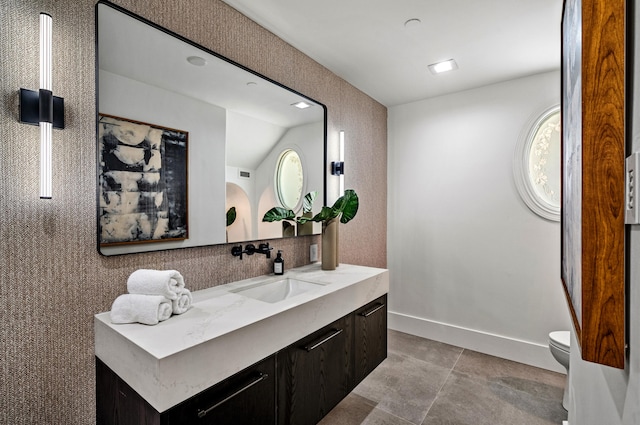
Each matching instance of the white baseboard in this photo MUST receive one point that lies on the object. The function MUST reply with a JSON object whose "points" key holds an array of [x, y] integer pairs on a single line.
{"points": [[526, 352]]}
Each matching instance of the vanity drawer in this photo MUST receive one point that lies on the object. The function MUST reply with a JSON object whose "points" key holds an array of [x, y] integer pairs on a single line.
{"points": [[370, 337], [246, 398]]}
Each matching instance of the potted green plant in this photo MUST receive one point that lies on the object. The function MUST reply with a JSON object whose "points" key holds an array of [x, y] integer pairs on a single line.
{"points": [[343, 210], [289, 217]]}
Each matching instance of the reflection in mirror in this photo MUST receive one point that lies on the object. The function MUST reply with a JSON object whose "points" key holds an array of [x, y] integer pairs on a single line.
{"points": [[239, 124], [289, 180], [537, 164]]}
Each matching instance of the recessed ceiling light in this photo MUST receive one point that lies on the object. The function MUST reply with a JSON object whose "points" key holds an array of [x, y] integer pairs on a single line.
{"points": [[197, 60], [444, 66], [252, 83], [301, 105]]}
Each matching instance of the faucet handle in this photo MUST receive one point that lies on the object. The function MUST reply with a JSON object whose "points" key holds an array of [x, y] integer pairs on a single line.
{"points": [[264, 248], [237, 251]]}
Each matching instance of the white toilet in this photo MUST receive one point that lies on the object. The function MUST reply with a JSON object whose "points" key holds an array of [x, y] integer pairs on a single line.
{"points": [[559, 345]]}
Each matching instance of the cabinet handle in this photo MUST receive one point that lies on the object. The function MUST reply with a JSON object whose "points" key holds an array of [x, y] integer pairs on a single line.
{"points": [[261, 377], [330, 335], [372, 310]]}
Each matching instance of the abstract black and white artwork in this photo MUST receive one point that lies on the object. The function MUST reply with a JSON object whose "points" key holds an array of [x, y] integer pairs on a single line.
{"points": [[142, 182]]}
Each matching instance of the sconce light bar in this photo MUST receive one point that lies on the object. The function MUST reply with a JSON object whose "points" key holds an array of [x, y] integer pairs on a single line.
{"points": [[337, 167], [42, 107]]}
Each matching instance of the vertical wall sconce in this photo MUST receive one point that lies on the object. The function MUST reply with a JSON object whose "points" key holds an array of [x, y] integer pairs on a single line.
{"points": [[42, 107], [337, 167]]}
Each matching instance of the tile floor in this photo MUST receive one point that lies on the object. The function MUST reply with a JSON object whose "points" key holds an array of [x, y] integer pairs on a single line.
{"points": [[424, 382]]}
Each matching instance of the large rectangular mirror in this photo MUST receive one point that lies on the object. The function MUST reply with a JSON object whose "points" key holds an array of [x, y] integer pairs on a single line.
{"points": [[186, 135]]}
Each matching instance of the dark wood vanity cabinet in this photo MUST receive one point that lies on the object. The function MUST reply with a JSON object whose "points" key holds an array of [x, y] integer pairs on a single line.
{"points": [[298, 385], [315, 373]]}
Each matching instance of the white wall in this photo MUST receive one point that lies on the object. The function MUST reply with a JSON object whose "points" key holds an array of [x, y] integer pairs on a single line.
{"points": [[471, 265], [600, 394]]}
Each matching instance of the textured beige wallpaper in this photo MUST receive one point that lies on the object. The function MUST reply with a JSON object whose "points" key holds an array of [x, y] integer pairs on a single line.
{"points": [[52, 279]]}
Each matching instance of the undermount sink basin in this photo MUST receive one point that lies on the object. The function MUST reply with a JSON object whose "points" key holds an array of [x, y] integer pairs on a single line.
{"points": [[277, 290]]}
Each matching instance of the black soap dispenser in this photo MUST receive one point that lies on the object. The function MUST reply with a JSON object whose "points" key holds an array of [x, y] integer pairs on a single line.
{"points": [[278, 264]]}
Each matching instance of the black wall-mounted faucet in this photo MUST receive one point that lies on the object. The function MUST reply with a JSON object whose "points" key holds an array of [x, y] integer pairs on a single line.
{"points": [[251, 249]]}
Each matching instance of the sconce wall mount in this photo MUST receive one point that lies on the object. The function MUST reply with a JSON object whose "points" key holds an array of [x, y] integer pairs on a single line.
{"points": [[337, 168], [41, 106]]}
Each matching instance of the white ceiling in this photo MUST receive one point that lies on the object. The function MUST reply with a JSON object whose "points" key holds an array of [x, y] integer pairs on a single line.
{"points": [[366, 42]]}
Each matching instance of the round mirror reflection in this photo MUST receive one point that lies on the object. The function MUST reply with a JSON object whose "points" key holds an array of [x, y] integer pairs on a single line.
{"points": [[537, 165], [289, 179]]}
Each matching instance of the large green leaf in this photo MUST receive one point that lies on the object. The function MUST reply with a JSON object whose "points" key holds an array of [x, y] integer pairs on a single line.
{"points": [[278, 213], [307, 202], [231, 216], [349, 206], [345, 207], [306, 217], [326, 214]]}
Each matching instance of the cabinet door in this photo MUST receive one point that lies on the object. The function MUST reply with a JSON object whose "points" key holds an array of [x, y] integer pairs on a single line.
{"points": [[315, 373], [247, 398], [370, 337]]}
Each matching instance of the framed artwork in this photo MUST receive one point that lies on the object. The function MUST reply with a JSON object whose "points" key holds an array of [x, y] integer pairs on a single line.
{"points": [[142, 182], [593, 175]]}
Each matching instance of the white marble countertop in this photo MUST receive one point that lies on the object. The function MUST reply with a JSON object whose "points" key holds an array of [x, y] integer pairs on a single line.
{"points": [[225, 332]]}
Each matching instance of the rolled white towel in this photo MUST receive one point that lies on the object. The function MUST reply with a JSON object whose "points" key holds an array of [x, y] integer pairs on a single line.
{"points": [[146, 309], [183, 303], [168, 283]]}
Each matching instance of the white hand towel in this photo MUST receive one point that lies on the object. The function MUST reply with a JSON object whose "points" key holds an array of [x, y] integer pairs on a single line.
{"points": [[168, 283], [183, 303], [147, 309]]}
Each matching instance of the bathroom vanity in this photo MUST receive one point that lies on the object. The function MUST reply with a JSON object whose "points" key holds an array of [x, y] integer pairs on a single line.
{"points": [[268, 350]]}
